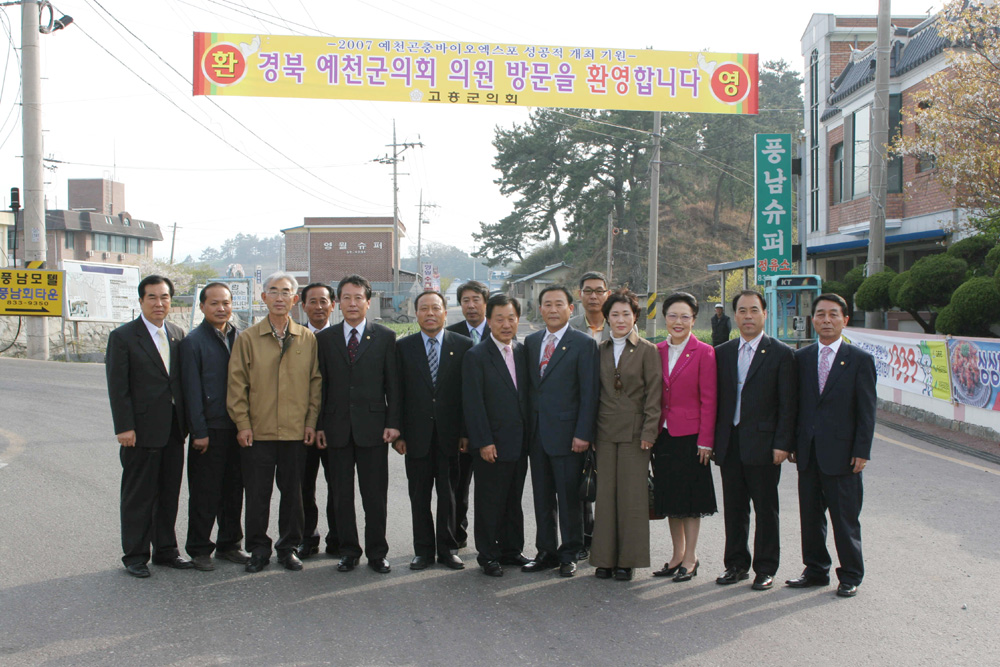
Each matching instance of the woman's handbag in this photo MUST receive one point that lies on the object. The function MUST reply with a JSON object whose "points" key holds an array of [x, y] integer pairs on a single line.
{"points": [[653, 516], [588, 483]]}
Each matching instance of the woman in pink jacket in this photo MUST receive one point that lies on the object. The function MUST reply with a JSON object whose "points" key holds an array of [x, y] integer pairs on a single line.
{"points": [[683, 489]]}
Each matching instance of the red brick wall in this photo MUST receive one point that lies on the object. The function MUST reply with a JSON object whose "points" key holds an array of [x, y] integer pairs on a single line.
{"points": [[296, 253], [327, 262], [924, 192], [840, 56]]}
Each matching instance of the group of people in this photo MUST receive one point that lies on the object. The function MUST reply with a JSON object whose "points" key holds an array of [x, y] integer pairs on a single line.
{"points": [[471, 401]]}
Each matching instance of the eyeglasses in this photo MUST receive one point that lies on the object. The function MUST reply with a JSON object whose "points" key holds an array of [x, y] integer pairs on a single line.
{"points": [[673, 317], [618, 381], [588, 291]]}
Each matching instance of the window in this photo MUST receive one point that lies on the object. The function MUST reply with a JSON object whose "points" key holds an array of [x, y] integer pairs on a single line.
{"points": [[837, 169], [894, 182], [814, 142], [69, 239], [119, 244], [925, 161], [102, 242], [134, 245], [862, 149]]}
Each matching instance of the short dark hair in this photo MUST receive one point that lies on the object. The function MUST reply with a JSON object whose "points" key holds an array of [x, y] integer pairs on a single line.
{"points": [[155, 280], [473, 286], [621, 295], [681, 297], [329, 290], [553, 288], [499, 301], [357, 281], [835, 298], [416, 299], [201, 295], [593, 275], [750, 292]]}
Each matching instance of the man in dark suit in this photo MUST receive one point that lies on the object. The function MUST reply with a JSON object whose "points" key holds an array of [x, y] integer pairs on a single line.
{"points": [[215, 481], [754, 431], [472, 298], [317, 302], [430, 373], [147, 406], [837, 404], [563, 369], [495, 404], [359, 419], [721, 326]]}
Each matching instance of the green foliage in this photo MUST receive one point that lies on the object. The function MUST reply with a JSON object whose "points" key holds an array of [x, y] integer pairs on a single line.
{"points": [[452, 262], [402, 329], [853, 279], [932, 281], [873, 294], [896, 285], [947, 322], [837, 287], [992, 260], [974, 306], [987, 223], [973, 250]]}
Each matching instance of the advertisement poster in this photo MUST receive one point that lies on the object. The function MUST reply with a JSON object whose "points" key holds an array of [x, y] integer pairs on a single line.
{"points": [[772, 161], [917, 365], [975, 372], [101, 292]]}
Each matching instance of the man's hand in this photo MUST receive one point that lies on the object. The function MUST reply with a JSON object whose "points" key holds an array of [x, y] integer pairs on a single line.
{"points": [[858, 463], [400, 446], [126, 439], [310, 438], [780, 456], [245, 437], [792, 458], [580, 446], [463, 445], [390, 435], [200, 444], [320, 439], [489, 453]]}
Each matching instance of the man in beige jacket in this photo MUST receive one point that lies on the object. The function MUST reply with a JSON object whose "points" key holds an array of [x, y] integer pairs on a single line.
{"points": [[274, 397]]}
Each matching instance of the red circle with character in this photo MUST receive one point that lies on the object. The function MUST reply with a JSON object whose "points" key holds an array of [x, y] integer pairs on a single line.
{"points": [[224, 64], [730, 83]]}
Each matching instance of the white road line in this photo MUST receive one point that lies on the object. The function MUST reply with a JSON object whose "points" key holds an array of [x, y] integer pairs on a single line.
{"points": [[974, 466]]}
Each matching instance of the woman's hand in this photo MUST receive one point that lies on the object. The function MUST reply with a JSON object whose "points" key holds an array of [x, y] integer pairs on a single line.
{"points": [[704, 455]]}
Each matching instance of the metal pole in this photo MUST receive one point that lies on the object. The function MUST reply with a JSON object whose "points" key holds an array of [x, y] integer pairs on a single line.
{"points": [[173, 242], [420, 229], [877, 163], [395, 217], [31, 130], [611, 240], [654, 223]]}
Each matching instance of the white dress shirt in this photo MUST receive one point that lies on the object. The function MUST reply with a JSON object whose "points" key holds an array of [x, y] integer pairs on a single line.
{"points": [[545, 340], [348, 328]]}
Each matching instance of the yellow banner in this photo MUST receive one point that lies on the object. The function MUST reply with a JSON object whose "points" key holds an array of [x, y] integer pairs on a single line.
{"points": [[31, 292], [397, 70]]}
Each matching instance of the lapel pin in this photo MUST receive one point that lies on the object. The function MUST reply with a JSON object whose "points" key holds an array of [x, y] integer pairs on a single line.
{"points": [[451, 354], [687, 355], [564, 348], [841, 363], [763, 351], [368, 337]]}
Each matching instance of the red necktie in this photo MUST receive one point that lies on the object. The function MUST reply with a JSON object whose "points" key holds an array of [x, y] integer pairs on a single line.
{"points": [[352, 345], [550, 347]]}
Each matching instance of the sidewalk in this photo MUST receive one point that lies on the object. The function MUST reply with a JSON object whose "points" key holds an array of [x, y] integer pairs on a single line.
{"points": [[988, 450]]}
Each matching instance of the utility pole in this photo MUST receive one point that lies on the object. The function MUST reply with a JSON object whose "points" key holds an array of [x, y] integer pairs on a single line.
{"points": [[173, 242], [611, 240], [31, 135], [877, 163], [654, 224], [397, 150], [420, 226]]}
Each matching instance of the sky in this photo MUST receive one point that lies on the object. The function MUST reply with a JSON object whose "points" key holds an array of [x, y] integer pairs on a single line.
{"points": [[117, 103]]}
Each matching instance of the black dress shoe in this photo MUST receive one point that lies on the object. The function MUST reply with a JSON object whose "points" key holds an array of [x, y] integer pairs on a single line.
{"points": [[582, 554], [492, 569], [603, 573], [623, 573], [257, 563], [763, 582], [667, 571], [290, 561], [347, 563], [176, 563], [543, 561], [203, 563], [516, 561], [684, 575], [139, 570], [380, 565], [463, 543], [452, 561], [305, 550], [420, 563], [805, 581], [236, 555], [567, 569], [847, 590], [731, 576]]}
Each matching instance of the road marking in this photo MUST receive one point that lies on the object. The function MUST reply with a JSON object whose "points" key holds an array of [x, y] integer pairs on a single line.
{"points": [[945, 457], [15, 446]]}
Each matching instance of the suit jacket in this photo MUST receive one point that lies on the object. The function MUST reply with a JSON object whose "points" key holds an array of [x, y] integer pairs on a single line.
{"points": [[463, 328], [360, 398], [632, 413], [689, 392], [564, 400], [426, 404], [579, 322], [838, 424], [205, 373], [768, 402], [143, 393], [496, 412]]}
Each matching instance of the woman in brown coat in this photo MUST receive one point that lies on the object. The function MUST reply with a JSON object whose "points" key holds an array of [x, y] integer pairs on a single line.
{"points": [[627, 425]]}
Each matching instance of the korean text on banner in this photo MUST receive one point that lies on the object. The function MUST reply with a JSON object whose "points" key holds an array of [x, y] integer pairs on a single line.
{"points": [[975, 372], [473, 73], [31, 292], [773, 204], [915, 365]]}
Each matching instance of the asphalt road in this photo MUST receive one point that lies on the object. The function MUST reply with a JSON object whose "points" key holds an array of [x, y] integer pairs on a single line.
{"points": [[931, 596]]}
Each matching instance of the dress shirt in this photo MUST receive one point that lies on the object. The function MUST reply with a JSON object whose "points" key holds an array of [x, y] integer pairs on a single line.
{"points": [[834, 347], [348, 328], [325, 326], [501, 346], [153, 329], [674, 352], [481, 328], [545, 340], [439, 338]]}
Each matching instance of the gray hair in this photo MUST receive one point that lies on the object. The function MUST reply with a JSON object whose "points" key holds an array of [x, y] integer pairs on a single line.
{"points": [[281, 275]]}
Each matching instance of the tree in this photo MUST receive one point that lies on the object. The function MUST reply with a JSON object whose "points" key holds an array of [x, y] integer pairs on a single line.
{"points": [[973, 250], [927, 286], [974, 306], [873, 293]]}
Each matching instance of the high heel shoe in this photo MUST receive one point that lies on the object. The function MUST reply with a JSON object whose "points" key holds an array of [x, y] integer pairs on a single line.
{"points": [[667, 571], [684, 575]]}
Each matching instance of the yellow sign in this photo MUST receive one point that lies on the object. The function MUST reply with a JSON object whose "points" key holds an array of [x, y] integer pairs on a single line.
{"points": [[479, 74], [31, 292]]}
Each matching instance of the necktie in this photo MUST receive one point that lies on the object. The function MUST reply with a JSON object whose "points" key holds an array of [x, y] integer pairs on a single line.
{"points": [[742, 367], [432, 359], [164, 347], [475, 336], [352, 345], [550, 347], [508, 357], [824, 367]]}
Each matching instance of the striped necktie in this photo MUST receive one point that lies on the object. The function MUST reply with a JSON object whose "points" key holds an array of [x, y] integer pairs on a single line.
{"points": [[432, 359]]}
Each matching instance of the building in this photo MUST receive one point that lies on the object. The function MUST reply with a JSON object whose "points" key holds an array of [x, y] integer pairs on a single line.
{"points": [[921, 215], [7, 234], [527, 288]]}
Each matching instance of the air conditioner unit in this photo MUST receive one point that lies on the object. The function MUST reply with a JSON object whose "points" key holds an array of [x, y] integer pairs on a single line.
{"points": [[105, 255], [90, 253], [121, 257]]}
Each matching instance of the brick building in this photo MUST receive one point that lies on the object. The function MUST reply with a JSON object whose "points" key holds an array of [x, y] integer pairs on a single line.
{"points": [[921, 215]]}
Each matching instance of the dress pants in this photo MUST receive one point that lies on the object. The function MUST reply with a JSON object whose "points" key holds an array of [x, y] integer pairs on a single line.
{"points": [[499, 519], [555, 486], [373, 479], [461, 481], [215, 487], [310, 531], [424, 475], [150, 491], [621, 526], [741, 484], [842, 495], [264, 463]]}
